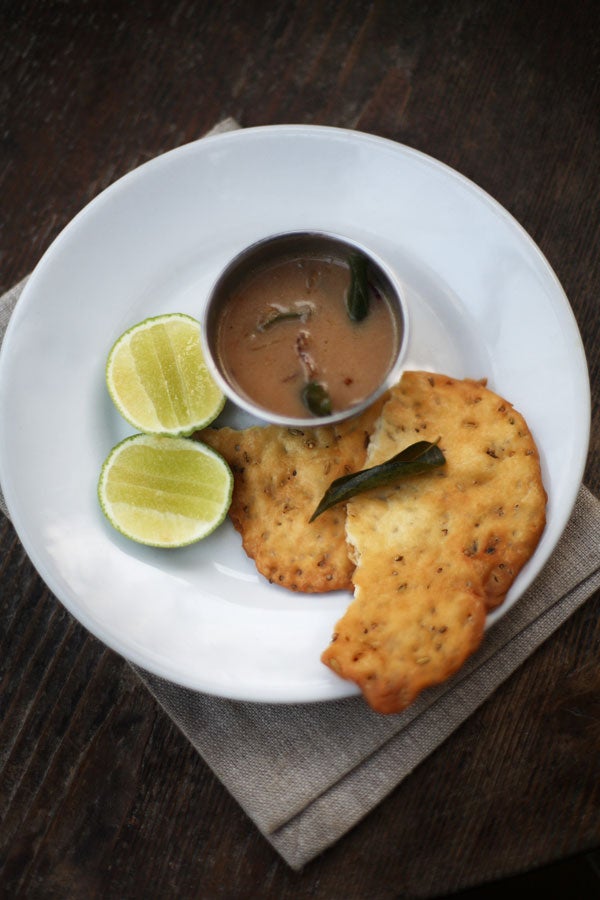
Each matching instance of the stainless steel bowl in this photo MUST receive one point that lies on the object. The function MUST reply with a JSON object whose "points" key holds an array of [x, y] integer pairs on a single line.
{"points": [[281, 246]]}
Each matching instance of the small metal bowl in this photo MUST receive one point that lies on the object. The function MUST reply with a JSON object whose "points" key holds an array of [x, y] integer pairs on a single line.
{"points": [[280, 247]]}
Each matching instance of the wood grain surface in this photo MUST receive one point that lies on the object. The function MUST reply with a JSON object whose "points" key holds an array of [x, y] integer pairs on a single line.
{"points": [[100, 795]]}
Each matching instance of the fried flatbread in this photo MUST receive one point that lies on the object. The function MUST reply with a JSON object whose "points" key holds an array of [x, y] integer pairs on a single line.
{"points": [[436, 552], [280, 474]]}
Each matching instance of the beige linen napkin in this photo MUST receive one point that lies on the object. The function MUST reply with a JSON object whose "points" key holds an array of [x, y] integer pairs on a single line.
{"points": [[305, 774]]}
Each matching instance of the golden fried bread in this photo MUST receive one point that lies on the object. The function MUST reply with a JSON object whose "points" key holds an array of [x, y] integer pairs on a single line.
{"points": [[436, 552], [280, 475]]}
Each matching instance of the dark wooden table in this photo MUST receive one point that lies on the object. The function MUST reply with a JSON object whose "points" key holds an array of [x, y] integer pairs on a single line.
{"points": [[100, 795]]}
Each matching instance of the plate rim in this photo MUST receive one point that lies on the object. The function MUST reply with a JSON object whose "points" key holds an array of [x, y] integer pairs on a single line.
{"points": [[29, 290]]}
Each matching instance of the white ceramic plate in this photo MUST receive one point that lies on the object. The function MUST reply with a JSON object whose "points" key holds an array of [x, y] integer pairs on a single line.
{"points": [[483, 302]]}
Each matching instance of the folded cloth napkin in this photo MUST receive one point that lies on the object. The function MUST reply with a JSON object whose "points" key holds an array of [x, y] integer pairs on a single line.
{"points": [[306, 773]]}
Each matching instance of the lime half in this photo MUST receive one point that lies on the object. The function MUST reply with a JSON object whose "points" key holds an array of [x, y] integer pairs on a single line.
{"points": [[164, 491], [158, 379]]}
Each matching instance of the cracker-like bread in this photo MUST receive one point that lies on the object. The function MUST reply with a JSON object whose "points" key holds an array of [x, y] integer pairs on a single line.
{"points": [[280, 474], [436, 552]]}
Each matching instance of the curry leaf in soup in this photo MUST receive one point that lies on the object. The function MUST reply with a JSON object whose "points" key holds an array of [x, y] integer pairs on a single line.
{"points": [[357, 298], [301, 311], [316, 398], [420, 457]]}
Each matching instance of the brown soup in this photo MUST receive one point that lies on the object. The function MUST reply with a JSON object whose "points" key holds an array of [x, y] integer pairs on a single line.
{"points": [[285, 326]]}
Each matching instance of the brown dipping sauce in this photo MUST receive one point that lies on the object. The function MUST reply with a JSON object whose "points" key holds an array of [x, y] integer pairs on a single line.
{"points": [[286, 324]]}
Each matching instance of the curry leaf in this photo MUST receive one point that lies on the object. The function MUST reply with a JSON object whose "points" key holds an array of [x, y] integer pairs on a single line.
{"points": [[316, 399], [357, 298], [276, 314], [420, 457]]}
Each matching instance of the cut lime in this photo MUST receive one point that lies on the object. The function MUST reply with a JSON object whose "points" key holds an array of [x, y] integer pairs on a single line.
{"points": [[164, 491], [158, 379]]}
